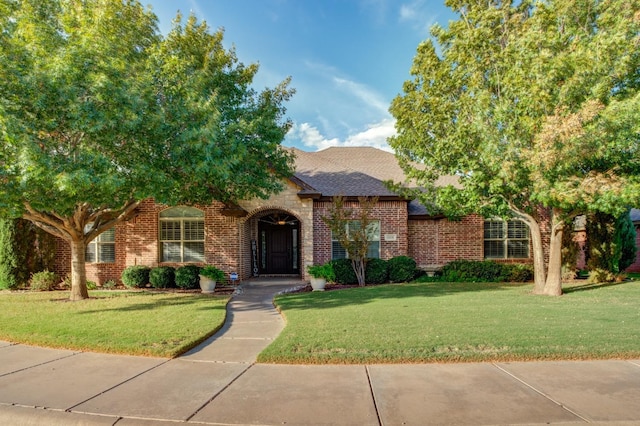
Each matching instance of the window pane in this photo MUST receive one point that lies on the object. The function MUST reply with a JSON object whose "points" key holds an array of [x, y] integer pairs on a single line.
{"points": [[517, 229], [107, 252], [193, 230], [169, 231], [494, 249], [108, 236], [90, 253], [193, 252], [171, 252], [373, 231], [374, 250], [493, 229], [337, 251], [518, 249]]}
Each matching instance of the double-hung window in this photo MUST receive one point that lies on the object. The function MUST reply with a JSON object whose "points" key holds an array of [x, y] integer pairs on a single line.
{"points": [[102, 249], [373, 237], [182, 235], [506, 239]]}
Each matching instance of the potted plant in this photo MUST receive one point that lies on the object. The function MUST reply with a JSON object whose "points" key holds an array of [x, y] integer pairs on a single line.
{"points": [[209, 276], [320, 274]]}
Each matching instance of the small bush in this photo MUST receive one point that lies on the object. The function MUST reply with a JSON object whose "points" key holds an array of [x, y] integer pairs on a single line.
{"points": [[135, 276], [91, 285], [401, 269], [187, 277], [344, 271], [162, 277], [43, 281], [485, 271], [517, 272], [376, 271], [110, 285]]}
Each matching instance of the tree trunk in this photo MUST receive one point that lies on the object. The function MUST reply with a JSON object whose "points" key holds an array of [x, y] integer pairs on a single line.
{"points": [[539, 270], [553, 286], [359, 267], [78, 271]]}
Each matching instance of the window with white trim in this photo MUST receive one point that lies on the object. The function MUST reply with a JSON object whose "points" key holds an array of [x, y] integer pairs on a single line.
{"points": [[506, 239], [339, 252], [182, 235], [102, 249]]}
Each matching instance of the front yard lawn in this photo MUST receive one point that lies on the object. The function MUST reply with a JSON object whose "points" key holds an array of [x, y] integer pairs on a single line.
{"points": [[134, 323], [457, 322]]}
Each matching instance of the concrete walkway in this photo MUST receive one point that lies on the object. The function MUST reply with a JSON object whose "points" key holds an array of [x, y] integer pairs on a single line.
{"points": [[220, 383]]}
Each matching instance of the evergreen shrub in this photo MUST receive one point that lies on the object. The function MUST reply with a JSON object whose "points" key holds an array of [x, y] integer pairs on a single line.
{"points": [[344, 271], [162, 277], [401, 269], [376, 271], [135, 276], [187, 277]]}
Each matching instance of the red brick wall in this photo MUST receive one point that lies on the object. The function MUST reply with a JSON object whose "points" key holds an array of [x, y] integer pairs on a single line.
{"points": [[393, 224], [137, 244], [435, 242]]}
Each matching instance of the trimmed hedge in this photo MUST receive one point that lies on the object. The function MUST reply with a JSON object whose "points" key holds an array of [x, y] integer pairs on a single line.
{"points": [[485, 271], [402, 269], [162, 277], [135, 276], [376, 271], [344, 271], [187, 277]]}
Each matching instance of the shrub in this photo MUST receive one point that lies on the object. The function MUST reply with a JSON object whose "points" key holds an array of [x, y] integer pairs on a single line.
{"points": [[109, 285], [91, 285], [213, 273], [517, 272], [187, 277], [135, 276], [376, 271], [322, 271], [43, 281], [344, 271], [401, 269], [162, 277]]}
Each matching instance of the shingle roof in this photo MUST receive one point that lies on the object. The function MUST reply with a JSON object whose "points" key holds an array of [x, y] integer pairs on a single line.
{"points": [[354, 171], [635, 215]]}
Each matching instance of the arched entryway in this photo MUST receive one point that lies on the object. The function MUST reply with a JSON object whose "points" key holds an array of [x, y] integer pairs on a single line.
{"points": [[278, 244]]}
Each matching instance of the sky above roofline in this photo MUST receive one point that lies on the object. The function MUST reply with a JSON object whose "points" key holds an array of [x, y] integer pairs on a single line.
{"points": [[347, 59]]}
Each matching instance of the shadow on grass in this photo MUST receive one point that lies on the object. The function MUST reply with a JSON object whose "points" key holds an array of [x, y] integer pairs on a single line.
{"points": [[590, 286], [362, 295], [150, 304]]}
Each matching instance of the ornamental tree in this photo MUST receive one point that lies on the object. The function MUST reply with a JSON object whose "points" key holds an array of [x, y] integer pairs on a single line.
{"points": [[98, 112], [534, 105], [354, 229]]}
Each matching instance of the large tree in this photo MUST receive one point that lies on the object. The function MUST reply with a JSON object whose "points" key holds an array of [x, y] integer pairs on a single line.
{"points": [[98, 112], [534, 105]]}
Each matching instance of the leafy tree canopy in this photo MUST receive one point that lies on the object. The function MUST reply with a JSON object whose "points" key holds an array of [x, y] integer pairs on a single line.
{"points": [[531, 104], [98, 111]]}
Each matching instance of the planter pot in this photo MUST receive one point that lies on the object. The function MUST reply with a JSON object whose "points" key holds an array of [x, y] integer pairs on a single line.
{"points": [[318, 283], [207, 284]]}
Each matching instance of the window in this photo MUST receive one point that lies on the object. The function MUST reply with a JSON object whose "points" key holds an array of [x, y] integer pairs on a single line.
{"points": [[102, 249], [339, 252], [182, 235], [506, 240]]}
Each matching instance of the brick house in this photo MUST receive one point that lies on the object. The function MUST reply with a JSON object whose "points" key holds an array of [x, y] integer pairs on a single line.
{"points": [[283, 234]]}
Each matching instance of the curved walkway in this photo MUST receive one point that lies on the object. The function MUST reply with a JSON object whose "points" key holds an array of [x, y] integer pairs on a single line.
{"points": [[219, 383]]}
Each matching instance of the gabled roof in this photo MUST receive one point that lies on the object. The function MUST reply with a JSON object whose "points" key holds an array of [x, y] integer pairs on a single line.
{"points": [[353, 172]]}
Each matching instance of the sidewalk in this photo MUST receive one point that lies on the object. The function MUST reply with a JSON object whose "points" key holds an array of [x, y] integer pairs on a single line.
{"points": [[219, 383]]}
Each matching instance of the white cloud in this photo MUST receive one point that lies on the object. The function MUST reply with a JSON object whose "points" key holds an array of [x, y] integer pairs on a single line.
{"points": [[311, 138], [365, 94], [418, 14]]}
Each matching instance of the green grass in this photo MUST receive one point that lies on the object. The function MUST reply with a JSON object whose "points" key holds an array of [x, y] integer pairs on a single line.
{"points": [[461, 322], [135, 323]]}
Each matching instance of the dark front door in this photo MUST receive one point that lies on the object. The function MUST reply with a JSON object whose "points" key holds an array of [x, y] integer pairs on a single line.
{"points": [[279, 249]]}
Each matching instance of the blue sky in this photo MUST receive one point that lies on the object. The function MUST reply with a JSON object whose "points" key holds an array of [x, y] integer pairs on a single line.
{"points": [[347, 58]]}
